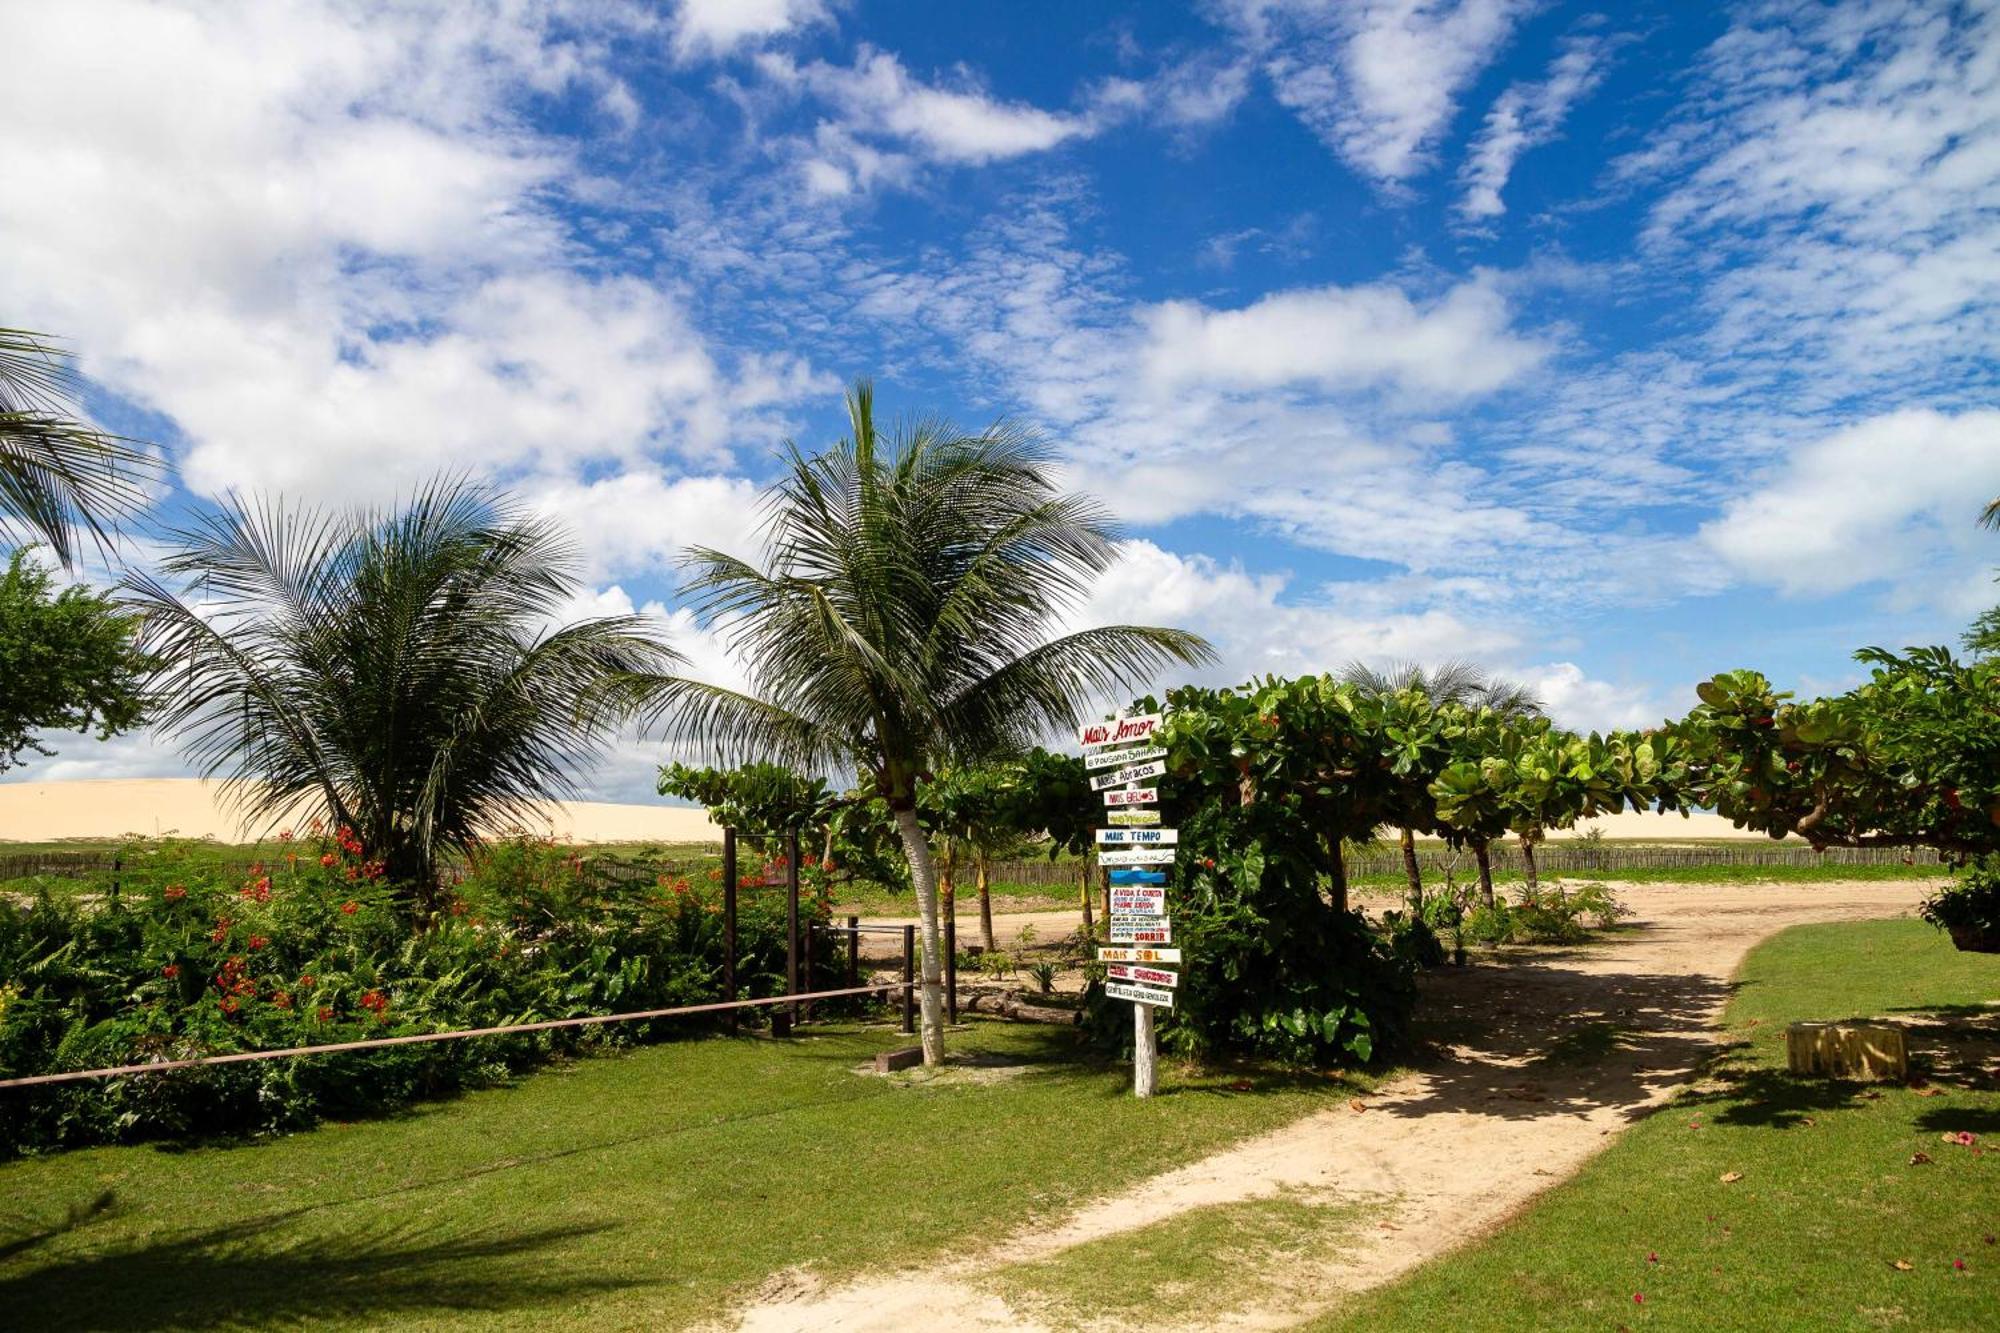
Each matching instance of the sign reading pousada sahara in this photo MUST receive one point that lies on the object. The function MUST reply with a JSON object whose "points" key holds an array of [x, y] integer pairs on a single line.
{"points": [[1119, 990], [1137, 796], [1107, 758], [1124, 731], [1152, 976], [1138, 955], [1130, 773], [1139, 837], [1131, 817], [1137, 856]]}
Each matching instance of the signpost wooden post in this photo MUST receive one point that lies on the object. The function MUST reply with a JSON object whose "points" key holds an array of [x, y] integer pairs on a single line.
{"points": [[1132, 853]]}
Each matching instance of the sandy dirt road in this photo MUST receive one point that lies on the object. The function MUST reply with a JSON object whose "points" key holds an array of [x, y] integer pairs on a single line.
{"points": [[1443, 1154]]}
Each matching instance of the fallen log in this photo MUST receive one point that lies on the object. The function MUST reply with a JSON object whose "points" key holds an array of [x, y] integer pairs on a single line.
{"points": [[1007, 1006]]}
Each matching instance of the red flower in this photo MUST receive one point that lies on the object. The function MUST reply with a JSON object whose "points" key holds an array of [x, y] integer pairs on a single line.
{"points": [[715, 874], [1958, 1264], [325, 1014], [1208, 863], [1638, 1298], [282, 999], [306, 981], [284, 835], [329, 860], [374, 1000], [174, 893], [170, 971], [349, 908], [220, 933], [228, 1004], [258, 942]]}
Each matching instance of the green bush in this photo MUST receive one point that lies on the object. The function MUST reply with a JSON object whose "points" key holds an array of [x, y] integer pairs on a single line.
{"points": [[310, 949]]}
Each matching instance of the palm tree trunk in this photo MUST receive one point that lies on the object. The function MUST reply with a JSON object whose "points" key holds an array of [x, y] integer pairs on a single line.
{"points": [[1528, 862], [1481, 854], [1412, 873], [923, 875], [985, 899], [1083, 891]]}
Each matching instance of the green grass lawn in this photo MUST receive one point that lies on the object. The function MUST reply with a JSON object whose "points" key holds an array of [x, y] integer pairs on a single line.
{"points": [[646, 1190], [1828, 1202]]}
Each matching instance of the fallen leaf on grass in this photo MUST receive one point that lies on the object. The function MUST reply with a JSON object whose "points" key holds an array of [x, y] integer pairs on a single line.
{"points": [[1920, 1159], [1930, 1092], [1356, 1105], [1965, 1138], [1242, 1085], [1903, 1266], [1388, 1226], [1731, 1177], [1807, 1121], [1871, 1096]]}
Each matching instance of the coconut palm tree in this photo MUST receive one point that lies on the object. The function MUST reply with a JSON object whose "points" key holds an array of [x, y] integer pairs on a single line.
{"points": [[58, 478], [399, 672], [1451, 682], [900, 619]]}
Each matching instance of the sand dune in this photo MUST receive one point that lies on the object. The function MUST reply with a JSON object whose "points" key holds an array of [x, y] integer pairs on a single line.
{"points": [[192, 808]]}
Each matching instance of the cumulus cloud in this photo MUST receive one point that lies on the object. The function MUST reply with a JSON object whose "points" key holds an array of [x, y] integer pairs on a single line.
{"points": [[641, 522], [1893, 498], [717, 27]]}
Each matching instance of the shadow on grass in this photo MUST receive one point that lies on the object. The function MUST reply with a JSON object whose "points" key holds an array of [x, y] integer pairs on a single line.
{"points": [[249, 1274]]}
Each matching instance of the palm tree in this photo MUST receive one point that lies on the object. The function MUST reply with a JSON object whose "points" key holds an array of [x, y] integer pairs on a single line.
{"points": [[899, 621], [58, 478], [398, 672], [1990, 516], [1454, 682]]}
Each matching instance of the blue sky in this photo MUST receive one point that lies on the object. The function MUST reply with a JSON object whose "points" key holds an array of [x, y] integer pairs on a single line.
{"points": [[1608, 345]]}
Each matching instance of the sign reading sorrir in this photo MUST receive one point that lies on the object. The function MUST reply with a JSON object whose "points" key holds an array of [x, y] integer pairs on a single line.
{"points": [[1129, 930], [1124, 731]]}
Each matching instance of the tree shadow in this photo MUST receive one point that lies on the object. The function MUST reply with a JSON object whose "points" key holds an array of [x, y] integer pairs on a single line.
{"points": [[1539, 1032], [252, 1273]]}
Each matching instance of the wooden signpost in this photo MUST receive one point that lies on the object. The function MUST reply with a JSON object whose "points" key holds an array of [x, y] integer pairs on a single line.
{"points": [[1136, 900]]}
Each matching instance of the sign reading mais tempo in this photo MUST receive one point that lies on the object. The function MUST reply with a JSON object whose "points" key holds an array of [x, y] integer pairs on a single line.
{"points": [[1139, 836]]}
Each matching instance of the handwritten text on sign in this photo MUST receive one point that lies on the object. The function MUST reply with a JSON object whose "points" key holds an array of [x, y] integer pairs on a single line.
{"points": [[1141, 930], [1130, 773], [1137, 899], [1131, 817], [1137, 856], [1138, 955], [1119, 990], [1152, 976], [1138, 796], [1140, 837], [1122, 732], [1112, 758]]}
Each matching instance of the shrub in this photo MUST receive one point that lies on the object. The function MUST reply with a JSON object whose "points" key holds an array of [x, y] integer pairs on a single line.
{"points": [[1970, 905], [1489, 925], [309, 949]]}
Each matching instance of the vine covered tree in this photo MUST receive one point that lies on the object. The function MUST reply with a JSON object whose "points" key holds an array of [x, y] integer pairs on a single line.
{"points": [[393, 670], [900, 621], [59, 479]]}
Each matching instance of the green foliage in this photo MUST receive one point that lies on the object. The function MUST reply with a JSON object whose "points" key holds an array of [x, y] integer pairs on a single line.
{"points": [[1911, 757], [1971, 901], [68, 661], [394, 670], [849, 837], [58, 477], [310, 949]]}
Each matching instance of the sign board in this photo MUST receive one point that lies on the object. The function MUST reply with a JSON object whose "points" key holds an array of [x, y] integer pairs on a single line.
{"points": [[1127, 875], [1112, 758], [1136, 899], [1151, 976], [1136, 796], [1132, 817], [1130, 773], [1141, 930], [1137, 856], [1142, 837], [1120, 990], [1138, 955], [1124, 731]]}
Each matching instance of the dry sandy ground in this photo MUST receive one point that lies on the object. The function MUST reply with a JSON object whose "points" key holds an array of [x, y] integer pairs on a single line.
{"points": [[1442, 1155]]}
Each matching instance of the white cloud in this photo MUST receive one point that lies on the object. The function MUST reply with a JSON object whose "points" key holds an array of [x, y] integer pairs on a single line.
{"points": [[1461, 345], [639, 523], [1378, 81], [1524, 117], [326, 248], [717, 27], [1894, 498], [1582, 703]]}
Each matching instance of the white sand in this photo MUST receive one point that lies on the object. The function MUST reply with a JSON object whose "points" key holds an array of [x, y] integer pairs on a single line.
{"points": [[192, 808]]}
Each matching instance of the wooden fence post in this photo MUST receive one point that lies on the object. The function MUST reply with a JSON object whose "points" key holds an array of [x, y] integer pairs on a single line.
{"points": [[951, 965], [909, 978], [791, 846], [853, 952]]}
